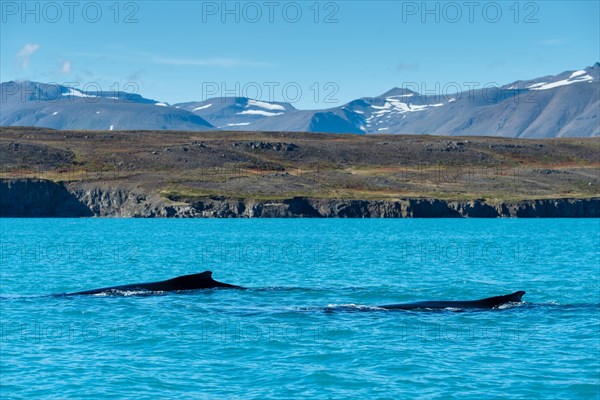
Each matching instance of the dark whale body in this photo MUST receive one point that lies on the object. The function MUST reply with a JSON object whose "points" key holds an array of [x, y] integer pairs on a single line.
{"points": [[488, 303], [203, 280]]}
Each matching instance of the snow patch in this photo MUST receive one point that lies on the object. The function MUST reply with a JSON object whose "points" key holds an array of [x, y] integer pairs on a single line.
{"points": [[386, 106], [161, 104], [111, 127], [265, 105], [394, 106], [259, 112], [76, 93], [239, 124], [380, 112], [79, 93], [202, 107], [536, 85], [577, 73], [383, 129], [55, 112], [398, 106], [401, 95], [417, 107], [572, 79]]}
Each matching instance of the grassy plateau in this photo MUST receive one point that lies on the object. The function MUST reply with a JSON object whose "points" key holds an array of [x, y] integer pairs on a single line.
{"points": [[183, 166]]}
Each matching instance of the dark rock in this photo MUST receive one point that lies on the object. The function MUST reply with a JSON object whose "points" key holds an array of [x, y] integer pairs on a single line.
{"points": [[43, 198], [39, 198]]}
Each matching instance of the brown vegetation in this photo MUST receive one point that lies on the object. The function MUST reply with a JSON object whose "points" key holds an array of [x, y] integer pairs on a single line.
{"points": [[186, 166]]}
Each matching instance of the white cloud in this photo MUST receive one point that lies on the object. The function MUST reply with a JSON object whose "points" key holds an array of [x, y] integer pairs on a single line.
{"points": [[25, 53], [209, 62], [66, 67]]}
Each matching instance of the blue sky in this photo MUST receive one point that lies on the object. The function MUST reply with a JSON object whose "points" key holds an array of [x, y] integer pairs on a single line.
{"points": [[314, 54]]}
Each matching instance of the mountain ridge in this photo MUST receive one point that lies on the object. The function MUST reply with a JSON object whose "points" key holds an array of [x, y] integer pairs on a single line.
{"points": [[562, 105]]}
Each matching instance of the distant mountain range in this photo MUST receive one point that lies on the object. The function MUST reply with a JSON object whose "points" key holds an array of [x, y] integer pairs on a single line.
{"points": [[563, 105]]}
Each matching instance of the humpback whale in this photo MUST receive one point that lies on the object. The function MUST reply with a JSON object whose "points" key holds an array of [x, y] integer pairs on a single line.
{"points": [[203, 280], [489, 303]]}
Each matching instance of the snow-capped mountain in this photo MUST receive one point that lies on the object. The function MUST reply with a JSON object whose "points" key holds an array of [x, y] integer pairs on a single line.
{"points": [[241, 113], [382, 112], [567, 104], [235, 113], [59, 107]]}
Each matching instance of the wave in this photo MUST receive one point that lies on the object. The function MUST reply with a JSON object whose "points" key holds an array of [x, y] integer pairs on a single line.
{"points": [[352, 307], [331, 307]]}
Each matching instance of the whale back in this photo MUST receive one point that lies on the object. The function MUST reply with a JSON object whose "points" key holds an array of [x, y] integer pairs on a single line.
{"points": [[202, 280], [496, 301], [490, 302]]}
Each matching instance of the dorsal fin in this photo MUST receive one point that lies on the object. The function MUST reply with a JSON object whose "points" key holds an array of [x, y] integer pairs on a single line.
{"points": [[205, 274], [498, 300], [516, 296], [202, 280]]}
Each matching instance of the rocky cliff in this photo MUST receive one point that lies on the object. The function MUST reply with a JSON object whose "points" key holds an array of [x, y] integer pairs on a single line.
{"points": [[44, 198]]}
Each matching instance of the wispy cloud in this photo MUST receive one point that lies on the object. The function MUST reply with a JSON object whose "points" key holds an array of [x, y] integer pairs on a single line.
{"points": [[25, 54], [208, 62], [407, 66], [136, 76], [552, 42], [65, 67], [219, 62]]}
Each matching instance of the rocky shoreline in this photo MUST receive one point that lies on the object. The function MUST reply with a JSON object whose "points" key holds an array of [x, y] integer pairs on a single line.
{"points": [[45, 198]]}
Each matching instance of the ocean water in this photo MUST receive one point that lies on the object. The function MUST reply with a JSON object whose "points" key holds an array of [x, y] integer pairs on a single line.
{"points": [[308, 326]]}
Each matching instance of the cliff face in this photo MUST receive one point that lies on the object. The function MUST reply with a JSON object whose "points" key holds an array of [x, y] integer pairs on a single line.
{"points": [[39, 198], [42, 198]]}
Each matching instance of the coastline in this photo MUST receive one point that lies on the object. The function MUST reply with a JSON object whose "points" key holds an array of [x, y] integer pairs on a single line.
{"points": [[21, 198], [172, 174]]}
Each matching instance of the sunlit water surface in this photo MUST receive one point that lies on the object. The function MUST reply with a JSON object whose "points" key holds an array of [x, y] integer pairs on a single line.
{"points": [[308, 326]]}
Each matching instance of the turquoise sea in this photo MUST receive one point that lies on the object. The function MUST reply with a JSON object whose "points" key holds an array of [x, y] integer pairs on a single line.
{"points": [[308, 327]]}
